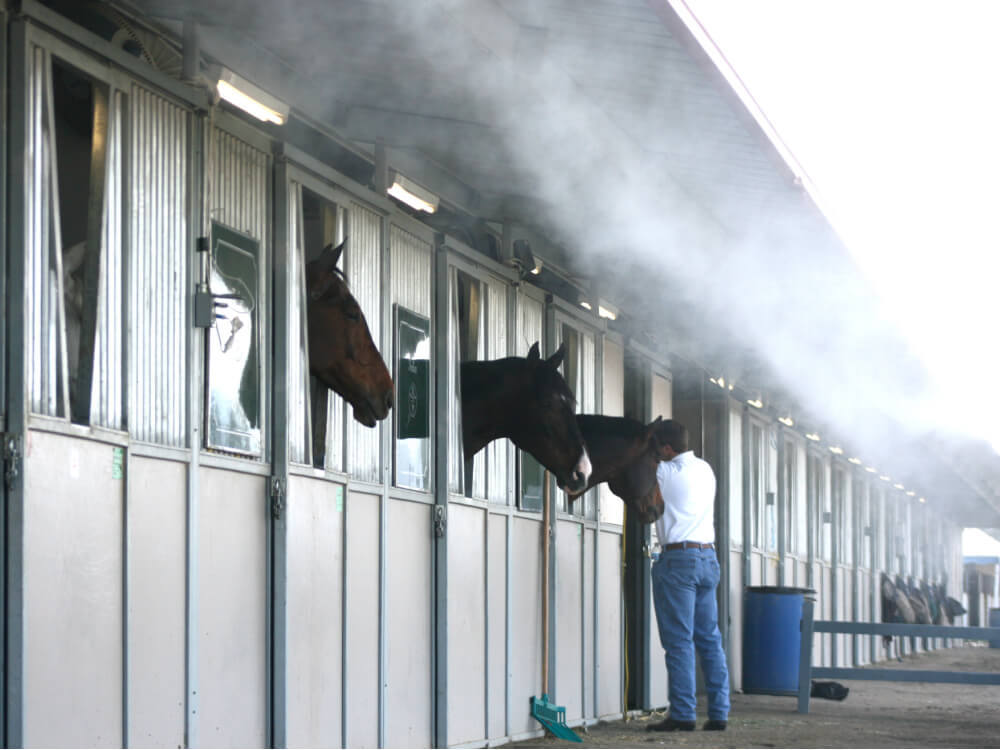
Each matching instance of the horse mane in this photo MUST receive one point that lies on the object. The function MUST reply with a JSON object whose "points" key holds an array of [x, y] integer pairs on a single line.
{"points": [[622, 427], [482, 378]]}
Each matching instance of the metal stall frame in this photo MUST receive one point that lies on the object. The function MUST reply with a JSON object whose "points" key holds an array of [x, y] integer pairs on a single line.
{"points": [[454, 254], [7, 454], [291, 163]]}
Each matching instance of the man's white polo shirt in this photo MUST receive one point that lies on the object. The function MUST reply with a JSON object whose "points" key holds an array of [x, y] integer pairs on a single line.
{"points": [[687, 484]]}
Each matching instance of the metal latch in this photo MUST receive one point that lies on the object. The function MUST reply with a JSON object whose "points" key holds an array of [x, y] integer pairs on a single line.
{"points": [[440, 520], [277, 497], [11, 458]]}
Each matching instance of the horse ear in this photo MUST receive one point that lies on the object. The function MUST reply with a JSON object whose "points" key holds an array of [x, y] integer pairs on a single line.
{"points": [[533, 352], [556, 359], [651, 427], [331, 255]]}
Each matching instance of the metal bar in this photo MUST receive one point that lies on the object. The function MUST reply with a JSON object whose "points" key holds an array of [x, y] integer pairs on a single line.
{"points": [[551, 626], [782, 499], [442, 451], [196, 348], [279, 460], [805, 655], [903, 629], [908, 675], [747, 503], [723, 531], [4, 179], [15, 402]]}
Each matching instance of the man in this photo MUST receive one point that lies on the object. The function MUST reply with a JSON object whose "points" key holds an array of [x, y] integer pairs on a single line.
{"points": [[685, 578]]}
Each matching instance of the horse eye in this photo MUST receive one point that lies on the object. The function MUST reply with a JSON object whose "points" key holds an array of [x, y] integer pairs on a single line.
{"points": [[352, 313]]}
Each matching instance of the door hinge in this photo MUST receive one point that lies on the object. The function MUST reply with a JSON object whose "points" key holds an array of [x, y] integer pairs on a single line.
{"points": [[277, 497], [11, 459], [440, 520]]}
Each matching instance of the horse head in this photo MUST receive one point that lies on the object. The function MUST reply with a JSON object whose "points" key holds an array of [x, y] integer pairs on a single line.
{"points": [[526, 400], [624, 454], [342, 354]]}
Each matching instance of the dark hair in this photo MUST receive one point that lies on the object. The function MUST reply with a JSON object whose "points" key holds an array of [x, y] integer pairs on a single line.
{"points": [[673, 434]]}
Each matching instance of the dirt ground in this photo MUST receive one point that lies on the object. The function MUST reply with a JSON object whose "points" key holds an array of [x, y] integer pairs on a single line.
{"points": [[874, 714]]}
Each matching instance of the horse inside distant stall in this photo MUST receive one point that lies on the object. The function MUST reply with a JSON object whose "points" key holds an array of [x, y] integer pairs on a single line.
{"points": [[526, 400], [623, 454], [342, 355]]}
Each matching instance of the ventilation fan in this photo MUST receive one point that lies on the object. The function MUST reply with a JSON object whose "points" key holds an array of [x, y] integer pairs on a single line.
{"points": [[108, 23]]}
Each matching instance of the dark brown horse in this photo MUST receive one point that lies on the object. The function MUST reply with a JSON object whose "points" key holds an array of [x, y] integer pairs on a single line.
{"points": [[527, 400], [623, 453], [342, 354]]}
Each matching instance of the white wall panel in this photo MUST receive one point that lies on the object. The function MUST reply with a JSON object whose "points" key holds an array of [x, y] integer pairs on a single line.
{"points": [[156, 559], [496, 625], [611, 508], [609, 624], [568, 618], [315, 618], [466, 624], [362, 619], [526, 621], [73, 573], [408, 625], [589, 635], [232, 614]]}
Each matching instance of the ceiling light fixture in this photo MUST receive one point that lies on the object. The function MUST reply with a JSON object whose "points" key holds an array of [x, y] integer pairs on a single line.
{"points": [[854, 460], [413, 195], [607, 310], [250, 98], [898, 486], [836, 450], [814, 436], [586, 305], [756, 403], [787, 421]]}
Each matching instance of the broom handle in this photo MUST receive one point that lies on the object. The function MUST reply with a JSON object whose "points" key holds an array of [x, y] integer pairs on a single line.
{"points": [[546, 519]]}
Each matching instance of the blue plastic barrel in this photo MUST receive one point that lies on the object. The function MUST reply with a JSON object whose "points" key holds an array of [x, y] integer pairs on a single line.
{"points": [[994, 622], [771, 638]]}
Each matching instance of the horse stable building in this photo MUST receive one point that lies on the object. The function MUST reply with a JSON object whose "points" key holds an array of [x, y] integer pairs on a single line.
{"points": [[203, 546]]}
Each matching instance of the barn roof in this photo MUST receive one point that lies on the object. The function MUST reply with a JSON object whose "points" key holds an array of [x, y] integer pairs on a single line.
{"points": [[581, 121]]}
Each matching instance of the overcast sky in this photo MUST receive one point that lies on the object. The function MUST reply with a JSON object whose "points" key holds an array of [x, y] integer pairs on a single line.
{"points": [[891, 109]]}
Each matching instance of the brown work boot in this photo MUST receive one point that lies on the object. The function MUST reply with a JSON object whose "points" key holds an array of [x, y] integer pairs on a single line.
{"points": [[671, 724]]}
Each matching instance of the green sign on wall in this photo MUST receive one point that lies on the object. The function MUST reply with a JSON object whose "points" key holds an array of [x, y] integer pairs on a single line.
{"points": [[413, 395]]}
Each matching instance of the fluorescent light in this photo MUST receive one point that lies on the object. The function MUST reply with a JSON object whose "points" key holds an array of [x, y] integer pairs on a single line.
{"points": [[787, 421], [923, 500], [885, 478], [871, 469], [756, 403], [538, 267], [836, 450], [586, 305], [854, 460], [250, 98], [898, 486], [814, 436], [911, 493], [607, 310], [412, 194]]}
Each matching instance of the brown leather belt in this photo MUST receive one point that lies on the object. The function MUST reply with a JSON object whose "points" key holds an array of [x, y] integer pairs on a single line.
{"points": [[689, 545]]}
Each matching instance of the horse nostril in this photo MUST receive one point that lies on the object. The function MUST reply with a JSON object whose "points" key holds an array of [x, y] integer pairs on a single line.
{"points": [[388, 400]]}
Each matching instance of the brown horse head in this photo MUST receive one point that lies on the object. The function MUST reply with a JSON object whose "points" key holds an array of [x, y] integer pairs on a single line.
{"points": [[526, 400], [624, 454], [342, 354]]}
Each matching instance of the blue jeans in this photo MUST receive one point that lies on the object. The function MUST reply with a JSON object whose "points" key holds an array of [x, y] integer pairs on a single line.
{"points": [[684, 584]]}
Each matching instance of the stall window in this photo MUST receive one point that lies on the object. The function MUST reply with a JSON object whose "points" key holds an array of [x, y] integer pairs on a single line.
{"points": [[470, 347], [413, 390], [234, 344], [323, 223], [818, 501], [791, 496], [579, 372], [75, 329], [757, 478], [530, 473]]}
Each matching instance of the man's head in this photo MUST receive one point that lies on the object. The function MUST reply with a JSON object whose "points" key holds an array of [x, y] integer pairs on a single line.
{"points": [[671, 439]]}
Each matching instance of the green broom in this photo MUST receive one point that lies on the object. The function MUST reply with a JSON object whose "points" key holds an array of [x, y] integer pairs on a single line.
{"points": [[548, 714]]}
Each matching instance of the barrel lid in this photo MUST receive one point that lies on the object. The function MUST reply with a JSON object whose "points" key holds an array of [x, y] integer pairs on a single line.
{"points": [[780, 590]]}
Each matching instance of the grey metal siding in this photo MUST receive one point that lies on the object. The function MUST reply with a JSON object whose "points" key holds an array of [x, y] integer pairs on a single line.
{"points": [[496, 342], [44, 340], [299, 443], [363, 267], [157, 306], [107, 392]]}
